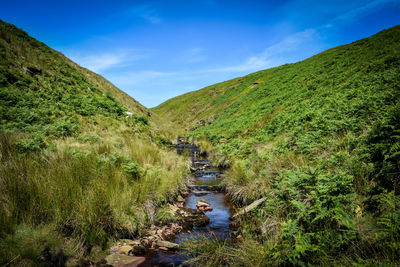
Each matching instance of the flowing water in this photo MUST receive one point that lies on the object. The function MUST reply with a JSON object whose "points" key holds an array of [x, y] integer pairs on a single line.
{"points": [[206, 178]]}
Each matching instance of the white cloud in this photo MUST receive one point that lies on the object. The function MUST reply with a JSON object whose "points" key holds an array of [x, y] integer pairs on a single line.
{"points": [[290, 49], [99, 62]]}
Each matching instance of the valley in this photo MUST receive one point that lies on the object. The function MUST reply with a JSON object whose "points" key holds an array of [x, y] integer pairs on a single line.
{"points": [[293, 165]]}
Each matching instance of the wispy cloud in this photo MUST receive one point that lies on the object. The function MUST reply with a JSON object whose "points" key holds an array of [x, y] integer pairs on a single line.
{"points": [[290, 49], [98, 63], [273, 55], [102, 61], [146, 12]]}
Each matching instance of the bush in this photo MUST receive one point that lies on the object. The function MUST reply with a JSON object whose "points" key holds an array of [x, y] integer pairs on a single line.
{"points": [[61, 128], [34, 143], [132, 169]]}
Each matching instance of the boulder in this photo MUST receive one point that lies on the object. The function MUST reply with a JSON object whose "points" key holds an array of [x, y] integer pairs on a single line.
{"points": [[200, 193], [192, 217], [130, 242], [203, 206], [125, 250], [121, 260], [167, 244]]}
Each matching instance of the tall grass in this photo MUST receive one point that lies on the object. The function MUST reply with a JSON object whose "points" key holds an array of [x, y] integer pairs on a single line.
{"points": [[87, 196]]}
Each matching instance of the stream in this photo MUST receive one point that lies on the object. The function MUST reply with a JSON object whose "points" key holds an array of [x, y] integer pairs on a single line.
{"points": [[203, 187]]}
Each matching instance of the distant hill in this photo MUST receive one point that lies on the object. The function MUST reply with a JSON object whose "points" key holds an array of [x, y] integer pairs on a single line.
{"points": [[79, 158], [250, 102], [321, 139]]}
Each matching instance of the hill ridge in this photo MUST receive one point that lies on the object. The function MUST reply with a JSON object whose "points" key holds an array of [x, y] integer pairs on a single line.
{"points": [[319, 139]]}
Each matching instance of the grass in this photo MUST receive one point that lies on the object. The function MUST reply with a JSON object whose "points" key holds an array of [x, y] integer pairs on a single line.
{"points": [[320, 139], [76, 172], [91, 195]]}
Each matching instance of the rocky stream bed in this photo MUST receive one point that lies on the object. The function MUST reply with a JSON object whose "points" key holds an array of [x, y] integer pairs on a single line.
{"points": [[202, 210]]}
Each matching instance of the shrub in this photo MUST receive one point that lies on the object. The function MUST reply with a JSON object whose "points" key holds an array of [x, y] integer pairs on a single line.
{"points": [[34, 143], [61, 128], [132, 169]]}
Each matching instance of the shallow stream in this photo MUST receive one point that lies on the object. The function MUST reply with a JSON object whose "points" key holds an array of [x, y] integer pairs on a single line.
{"points": [[205, 179]]}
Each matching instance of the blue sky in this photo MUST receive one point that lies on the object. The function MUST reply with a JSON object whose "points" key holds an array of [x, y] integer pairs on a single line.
{"points": [[155, 50]]}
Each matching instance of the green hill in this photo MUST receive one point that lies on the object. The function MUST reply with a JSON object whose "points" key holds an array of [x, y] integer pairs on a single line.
{"points": [[76, 170], [321, 139]]}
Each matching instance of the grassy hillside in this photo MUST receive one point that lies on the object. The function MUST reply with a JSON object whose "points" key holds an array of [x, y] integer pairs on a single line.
{"points": [[321, 139], [75, 171]]}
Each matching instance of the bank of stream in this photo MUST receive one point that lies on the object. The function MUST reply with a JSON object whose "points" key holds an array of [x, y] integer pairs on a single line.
{"points": [[203, 188]]}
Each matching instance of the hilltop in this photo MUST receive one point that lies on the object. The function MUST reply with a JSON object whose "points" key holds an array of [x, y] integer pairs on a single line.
{"points": [[320, 139], [82, 163]]}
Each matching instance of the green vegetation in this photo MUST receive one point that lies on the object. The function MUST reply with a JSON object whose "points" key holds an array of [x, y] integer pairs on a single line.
{"points": [[321, 139], [76, 171]]}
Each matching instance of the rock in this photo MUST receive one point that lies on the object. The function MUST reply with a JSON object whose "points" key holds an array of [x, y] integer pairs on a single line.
{"points": [[152, 232], [125, 242], [199, 193], [31, 71], [176, 228], [139, 248], [250, 207], [217, 188], [202, 203], [234, 225], [192, 217], [86, 262], [207, 209], [203, 206], [146, 242], [167, 244], [163, 248], [161, 234], [121, 260], [125, 250]]}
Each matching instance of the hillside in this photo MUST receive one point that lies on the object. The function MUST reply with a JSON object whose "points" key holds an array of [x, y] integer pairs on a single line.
{"points": [[77, 171], [320, 138]]}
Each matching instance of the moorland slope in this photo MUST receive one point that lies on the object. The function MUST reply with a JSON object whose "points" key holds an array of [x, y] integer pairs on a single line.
{"points": [[81, 162], [321, 140]]}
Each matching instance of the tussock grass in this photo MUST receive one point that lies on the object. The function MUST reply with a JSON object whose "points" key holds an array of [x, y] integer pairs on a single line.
{"points": [[87, 195], [74, 165]]}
